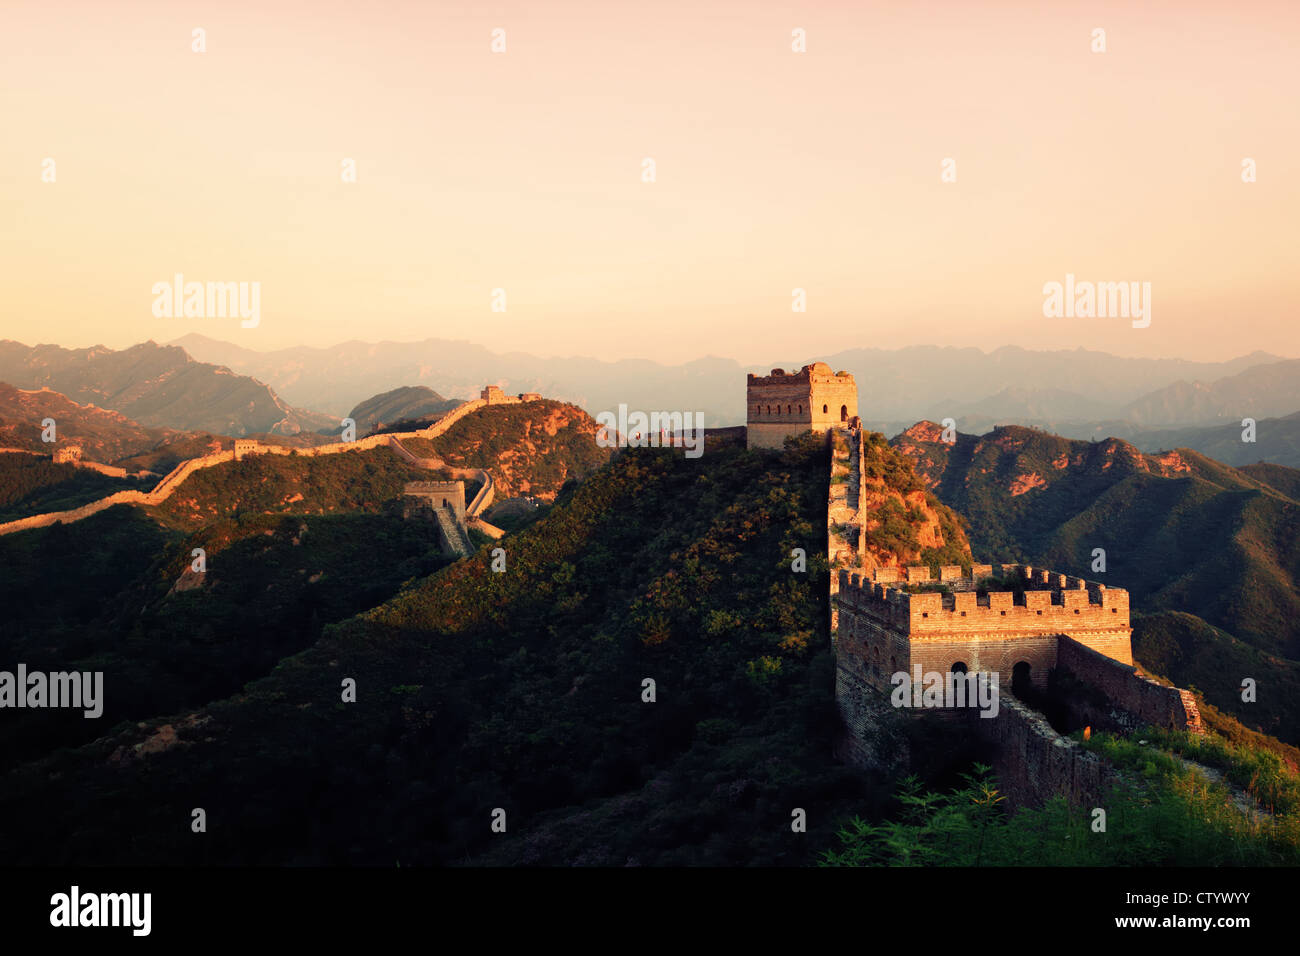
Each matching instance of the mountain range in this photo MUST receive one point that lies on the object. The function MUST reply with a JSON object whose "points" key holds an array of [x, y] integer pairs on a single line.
{"points": [[104, 435], [201, 384], [1183, 531], [157, 385], [902, 385]]}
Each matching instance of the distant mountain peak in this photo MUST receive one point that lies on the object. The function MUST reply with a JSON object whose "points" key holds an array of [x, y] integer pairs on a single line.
{"points": [[157, 385]]}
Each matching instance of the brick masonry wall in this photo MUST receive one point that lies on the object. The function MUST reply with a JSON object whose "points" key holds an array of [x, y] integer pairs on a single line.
{"points": [[871, 652], [1033, 762], [1130, 700], [780, 405], [870, 738], [998, 654], [111, 471], [883, 630], [767, 401], [834, 402]]}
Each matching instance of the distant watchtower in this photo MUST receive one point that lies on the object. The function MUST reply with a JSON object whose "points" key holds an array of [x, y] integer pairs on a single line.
{"points": [[245, 447], [444, 502], [784, 404], [431, 495]]}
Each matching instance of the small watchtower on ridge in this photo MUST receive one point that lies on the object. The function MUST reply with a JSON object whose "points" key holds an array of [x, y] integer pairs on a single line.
{"points": [[790, 403], [245, 447], [431, 495], [443, 504]]}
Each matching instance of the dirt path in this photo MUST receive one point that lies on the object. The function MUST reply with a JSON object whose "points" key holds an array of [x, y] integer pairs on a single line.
{"points": [[1240, 798]]}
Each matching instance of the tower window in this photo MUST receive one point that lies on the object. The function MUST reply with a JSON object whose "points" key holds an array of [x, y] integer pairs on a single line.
{"points": [[825, 409]]}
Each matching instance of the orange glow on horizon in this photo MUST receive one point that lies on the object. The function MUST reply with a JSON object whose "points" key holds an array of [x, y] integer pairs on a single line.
{"points": [[774, 171]]}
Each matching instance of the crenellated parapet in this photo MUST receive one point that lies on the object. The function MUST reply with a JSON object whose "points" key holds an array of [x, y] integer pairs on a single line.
{"points": [[818, 373], [1041, 601]]}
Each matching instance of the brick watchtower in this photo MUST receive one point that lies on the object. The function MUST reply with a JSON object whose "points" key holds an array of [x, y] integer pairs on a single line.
{"points": [[783, 404], [886, 627]]}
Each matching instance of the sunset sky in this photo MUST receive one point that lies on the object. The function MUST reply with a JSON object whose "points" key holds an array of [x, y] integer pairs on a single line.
{"points": [[775, 170]]}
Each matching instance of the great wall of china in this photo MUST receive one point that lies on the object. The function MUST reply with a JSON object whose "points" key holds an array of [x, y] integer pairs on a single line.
{"points": [[892, 620], [886, 620], [243, 447], [1024, 624]]}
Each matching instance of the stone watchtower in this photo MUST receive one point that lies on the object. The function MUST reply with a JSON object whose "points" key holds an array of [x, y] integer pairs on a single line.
{"points": [[245, 447], [1009, 621], [784, 404], [444, 502], [431, 495]]}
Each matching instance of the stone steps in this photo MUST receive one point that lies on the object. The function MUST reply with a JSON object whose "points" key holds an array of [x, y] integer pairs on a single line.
{"points": [[456, 536]]}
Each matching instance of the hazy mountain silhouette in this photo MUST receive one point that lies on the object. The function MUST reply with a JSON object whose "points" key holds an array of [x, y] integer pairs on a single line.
{"points": [[157, 385], [901, 385]]}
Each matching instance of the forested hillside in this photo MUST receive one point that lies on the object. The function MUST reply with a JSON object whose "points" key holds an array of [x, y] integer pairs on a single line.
{"points": [[531, 448], [33, 484], [646, 682]]}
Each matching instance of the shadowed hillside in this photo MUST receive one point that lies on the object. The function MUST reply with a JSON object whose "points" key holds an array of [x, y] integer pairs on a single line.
{"points": [[647, 682], [168, 638], [520, 690], [410, 403], [1191, 653], [127, 602], [1277, 440], [33, 484], [524, 690], [1283, 479]]}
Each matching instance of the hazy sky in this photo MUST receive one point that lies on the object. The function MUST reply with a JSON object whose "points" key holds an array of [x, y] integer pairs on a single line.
{"points": [[774, 170]]}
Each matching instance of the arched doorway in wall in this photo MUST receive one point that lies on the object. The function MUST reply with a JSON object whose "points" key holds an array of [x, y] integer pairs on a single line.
{"points": [[1020, 682], [963, 694], [844, 413]]}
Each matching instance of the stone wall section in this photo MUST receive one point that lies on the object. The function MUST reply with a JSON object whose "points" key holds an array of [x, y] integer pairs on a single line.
{"points": [[1034, 763], [173, 479], [1052, 622], [1131, 700]]}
